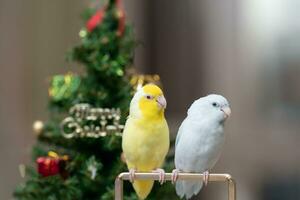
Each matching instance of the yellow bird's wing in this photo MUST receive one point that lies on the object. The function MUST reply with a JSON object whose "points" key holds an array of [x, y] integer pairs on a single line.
{"points": [[145, 145]]}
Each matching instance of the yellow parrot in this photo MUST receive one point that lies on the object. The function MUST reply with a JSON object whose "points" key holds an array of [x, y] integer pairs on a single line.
{"points": [[145, 140]]}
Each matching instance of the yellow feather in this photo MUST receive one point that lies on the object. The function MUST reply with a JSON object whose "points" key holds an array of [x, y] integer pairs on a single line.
{"points": [[143, 188], [152, 89], [146, 140]]}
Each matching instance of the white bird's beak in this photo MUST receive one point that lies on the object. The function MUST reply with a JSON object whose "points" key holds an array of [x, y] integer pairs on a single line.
{"points": [[162, 101], [227, 111]]}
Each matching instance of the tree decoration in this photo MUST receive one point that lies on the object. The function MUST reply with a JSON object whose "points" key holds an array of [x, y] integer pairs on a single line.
{"points": [[52, 164], [93, 166], [106, 54], [86, 121], [121, 17], [107, 43], [97, 18], [64, 86], [139, 80], [82, 33], [22, 170], [38, 127]]}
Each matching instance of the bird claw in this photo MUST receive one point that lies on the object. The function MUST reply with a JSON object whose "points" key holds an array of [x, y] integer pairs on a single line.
{"points": [[205, 177], [174, 175], [132, 175], [162, 175]]}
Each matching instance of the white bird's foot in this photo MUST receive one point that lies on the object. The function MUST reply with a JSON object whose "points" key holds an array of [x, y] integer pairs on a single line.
{"points": [[132, 175], [162, 175], [205, 177], [174, 176]]}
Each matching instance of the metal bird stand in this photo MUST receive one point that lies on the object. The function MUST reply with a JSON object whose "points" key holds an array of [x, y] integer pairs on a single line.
{"points": [[181, 176]]}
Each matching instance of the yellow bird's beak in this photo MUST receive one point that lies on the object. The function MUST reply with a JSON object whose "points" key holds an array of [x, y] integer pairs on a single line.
{"points": [[161, 101]]}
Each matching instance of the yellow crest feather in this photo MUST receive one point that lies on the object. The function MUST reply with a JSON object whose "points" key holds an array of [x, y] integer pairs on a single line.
{"points": [[152, 89]]}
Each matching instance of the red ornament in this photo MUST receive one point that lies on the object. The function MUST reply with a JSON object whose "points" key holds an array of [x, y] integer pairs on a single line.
{"points": [[48, 166], [121, 25], [51, 165], [121, 17], [95, 20]]}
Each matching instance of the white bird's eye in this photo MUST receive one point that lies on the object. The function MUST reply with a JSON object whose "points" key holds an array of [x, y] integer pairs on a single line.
{"points": [[149, 97], [215, 104]]}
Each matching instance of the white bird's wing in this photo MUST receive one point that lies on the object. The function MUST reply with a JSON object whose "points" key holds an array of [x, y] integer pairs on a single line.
{"points": [[185, 188], [198, 147], [199, 142], [180, 130]]}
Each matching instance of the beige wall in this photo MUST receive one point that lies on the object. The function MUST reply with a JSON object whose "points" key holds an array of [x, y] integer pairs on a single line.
{"points": [[34, 36], [239, 49]]}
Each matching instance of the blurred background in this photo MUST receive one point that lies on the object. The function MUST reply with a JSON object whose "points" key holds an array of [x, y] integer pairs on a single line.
{"points": [[248, 51]]}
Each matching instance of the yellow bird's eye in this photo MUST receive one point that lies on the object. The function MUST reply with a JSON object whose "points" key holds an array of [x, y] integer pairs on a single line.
{"points": [[149, 97]]}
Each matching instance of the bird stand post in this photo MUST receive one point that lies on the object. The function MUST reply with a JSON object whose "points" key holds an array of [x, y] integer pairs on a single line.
{"points": [[181, 176]]}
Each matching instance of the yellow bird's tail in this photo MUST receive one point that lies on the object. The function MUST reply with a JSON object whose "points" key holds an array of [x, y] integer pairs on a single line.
{"points": [[143, 188]]}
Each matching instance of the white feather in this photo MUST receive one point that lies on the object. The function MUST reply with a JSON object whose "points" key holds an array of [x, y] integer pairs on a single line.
{"points": [[199, 141], [134, 106]]}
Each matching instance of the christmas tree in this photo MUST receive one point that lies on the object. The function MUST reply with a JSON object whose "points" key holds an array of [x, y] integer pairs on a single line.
{"points": [[78, 152]]}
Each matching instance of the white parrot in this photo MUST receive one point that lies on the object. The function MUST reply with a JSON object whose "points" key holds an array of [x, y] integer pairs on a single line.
{"points": [[199, 141]]}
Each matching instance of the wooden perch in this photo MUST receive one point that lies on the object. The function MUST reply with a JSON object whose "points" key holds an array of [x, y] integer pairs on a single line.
{"points": [[181, 176]]}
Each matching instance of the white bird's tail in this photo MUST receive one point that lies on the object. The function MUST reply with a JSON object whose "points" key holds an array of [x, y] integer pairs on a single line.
{"points": [[188, 188]]}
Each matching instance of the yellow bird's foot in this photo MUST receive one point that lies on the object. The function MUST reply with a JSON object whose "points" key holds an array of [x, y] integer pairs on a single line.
{"points": [[162, 175], [174, 175], [205, 177], [132, 175]]}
